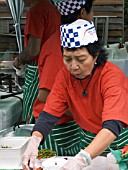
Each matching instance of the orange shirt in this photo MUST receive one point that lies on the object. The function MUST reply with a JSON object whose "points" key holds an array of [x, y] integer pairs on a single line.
{"points": [[107, 97], [49, 63], [42, 21]]}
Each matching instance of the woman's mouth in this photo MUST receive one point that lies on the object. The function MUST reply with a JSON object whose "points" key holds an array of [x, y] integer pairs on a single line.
{"points": [[76, 75]]}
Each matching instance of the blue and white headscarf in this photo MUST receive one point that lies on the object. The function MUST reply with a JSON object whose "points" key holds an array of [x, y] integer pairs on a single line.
{"points": [[66, 7], [78, 33]]}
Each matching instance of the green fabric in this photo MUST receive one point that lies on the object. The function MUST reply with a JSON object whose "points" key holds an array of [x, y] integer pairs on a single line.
{"points": [[64, 139], [30, 90], [119, 143]]}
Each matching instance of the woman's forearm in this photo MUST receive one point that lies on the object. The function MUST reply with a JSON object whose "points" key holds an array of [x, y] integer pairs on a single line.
{"points": [[100, 143]]}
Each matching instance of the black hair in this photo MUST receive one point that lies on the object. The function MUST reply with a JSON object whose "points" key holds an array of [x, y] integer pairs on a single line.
{"points": [[95, 49], [67, 19]]}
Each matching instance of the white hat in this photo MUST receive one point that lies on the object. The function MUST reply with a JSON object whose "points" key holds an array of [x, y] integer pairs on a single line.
{"points": [[67, 7], [78, 33]]}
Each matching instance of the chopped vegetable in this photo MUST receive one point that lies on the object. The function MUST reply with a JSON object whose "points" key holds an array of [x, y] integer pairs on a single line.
{"points": [[46, 153], [5, 146], [125, 150], [39, 168]]}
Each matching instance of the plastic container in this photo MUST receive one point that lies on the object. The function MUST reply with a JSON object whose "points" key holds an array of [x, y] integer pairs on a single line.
{"points": [[114, 48], [11, 155], [53, 163]]}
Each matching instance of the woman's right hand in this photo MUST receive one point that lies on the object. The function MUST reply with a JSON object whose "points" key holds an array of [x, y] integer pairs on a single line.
{"points": [[29, 157]]}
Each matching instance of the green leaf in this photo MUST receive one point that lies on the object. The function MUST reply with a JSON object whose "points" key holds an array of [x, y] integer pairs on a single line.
{"points": [[123, 166], [122, 161], [125, 159], [117, 154]]}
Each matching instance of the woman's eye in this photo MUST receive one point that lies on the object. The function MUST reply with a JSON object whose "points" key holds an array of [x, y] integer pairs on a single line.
{"points": [[67, 59], [81, 61]]}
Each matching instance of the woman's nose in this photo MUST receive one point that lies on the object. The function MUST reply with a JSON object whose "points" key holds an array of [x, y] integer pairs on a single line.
{"points": [[74, 65]]}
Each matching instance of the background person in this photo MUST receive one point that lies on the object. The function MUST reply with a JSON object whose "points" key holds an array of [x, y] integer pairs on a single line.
{"points": [[95, 90], [72, 10], [42, 21]]}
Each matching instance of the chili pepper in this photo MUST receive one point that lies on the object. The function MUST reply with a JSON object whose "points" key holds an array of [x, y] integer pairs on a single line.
{"points": [[125, 150]]}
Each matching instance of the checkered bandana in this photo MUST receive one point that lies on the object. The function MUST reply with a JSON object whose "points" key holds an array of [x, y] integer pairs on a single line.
{"points": [[67, 7], [78, 33]]}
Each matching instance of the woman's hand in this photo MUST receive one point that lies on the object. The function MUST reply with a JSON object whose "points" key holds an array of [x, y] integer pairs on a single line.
{"points": [[81, 160], [29, 157]]}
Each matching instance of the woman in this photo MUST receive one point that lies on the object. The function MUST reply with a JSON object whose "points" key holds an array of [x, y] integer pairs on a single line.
{"points": [[95, 90], [66, 128]]}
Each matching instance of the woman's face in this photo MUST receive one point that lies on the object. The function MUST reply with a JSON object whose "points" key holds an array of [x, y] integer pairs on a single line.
{"points": [[79, 62], [89, 17]]}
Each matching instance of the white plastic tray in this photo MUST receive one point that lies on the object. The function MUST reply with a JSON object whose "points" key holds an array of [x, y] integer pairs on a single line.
{"points": [[11, 157]]}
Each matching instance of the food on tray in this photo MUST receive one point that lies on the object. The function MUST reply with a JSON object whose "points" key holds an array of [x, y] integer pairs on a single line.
{"points": [[5, 146], [46, 153]]}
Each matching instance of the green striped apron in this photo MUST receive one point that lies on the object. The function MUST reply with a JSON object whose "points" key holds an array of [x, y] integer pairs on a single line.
{"points": [[30, 90], [64, 139], [119, 143]]}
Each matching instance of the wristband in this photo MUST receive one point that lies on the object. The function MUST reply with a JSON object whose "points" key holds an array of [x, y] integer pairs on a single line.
{"points": [[86, 156]]}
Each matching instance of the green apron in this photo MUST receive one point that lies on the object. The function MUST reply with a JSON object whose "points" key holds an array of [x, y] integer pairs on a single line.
{"points": [[119, 143], [64, 139], [30, 90]]}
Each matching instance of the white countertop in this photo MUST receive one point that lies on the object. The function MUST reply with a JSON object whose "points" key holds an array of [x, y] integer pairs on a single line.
{"points": [[99, 163]]}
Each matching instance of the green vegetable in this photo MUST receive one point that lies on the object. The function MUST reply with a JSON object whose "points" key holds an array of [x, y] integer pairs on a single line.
{"points": [[46, 153]]}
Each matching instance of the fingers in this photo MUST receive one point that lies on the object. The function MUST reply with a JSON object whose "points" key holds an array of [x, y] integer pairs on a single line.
{"points": [[16, 63], [13, 56], [25, 167], [25, 162], [32, 161], [28, 164]]}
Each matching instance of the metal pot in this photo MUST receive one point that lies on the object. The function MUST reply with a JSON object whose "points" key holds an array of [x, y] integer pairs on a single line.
{"points": [[16, 131]]}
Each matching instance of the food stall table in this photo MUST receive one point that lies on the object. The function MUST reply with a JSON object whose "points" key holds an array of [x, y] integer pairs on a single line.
{"points": [[99, 163]]}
